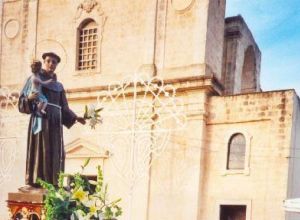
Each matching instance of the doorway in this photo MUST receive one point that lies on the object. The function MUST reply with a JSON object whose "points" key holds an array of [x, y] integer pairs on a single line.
{"points": [[233, 212]]}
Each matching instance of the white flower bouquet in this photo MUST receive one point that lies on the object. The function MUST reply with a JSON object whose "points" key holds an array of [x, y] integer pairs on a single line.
{"points": [[92, 114]]}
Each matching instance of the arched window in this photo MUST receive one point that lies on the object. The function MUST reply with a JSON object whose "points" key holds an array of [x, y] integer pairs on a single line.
{"points": [[236, 152], [87, 45], [249, 71]]}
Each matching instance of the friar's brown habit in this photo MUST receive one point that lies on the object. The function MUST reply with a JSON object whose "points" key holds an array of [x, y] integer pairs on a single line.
{"points": [[45, 150]]}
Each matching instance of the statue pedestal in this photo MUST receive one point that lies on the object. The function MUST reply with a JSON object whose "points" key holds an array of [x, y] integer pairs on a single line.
{"points": [[26, 205]]}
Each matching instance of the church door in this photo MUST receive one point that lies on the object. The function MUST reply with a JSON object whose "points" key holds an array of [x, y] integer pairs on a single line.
{"points": [[233, 212]]}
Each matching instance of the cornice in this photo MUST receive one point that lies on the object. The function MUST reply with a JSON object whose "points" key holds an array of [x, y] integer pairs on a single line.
{"points": [[208, 83]]}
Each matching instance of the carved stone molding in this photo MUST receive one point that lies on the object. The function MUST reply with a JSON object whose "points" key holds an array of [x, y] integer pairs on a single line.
{"points": [[81, 148], [88, 6], [25, 21], [10, 1], [148, 69], [12, 28], [182, 5]]}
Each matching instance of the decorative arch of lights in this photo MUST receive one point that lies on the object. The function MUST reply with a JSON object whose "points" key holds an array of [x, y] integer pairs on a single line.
{"points": [[12, 133], [139, 116], [12, 140]]}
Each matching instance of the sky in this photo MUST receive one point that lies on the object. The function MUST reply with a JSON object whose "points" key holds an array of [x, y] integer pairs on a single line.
{"points": [[275, 25]]}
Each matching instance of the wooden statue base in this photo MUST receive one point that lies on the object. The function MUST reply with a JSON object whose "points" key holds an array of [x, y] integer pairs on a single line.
{"points": [[27, 204]]}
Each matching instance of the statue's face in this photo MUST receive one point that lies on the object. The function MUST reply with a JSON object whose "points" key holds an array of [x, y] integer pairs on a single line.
{"points": [[50, 64]]}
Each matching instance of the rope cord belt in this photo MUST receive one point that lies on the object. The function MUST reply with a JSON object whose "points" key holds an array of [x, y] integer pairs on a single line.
{"points": [[57, 106]]}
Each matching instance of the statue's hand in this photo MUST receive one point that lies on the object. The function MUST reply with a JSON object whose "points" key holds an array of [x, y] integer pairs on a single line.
{"points": [[33, 96], [81, 120]]}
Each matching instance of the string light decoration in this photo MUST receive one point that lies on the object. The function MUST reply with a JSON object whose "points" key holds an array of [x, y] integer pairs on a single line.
{"points": [[13, 129], [139, 115], [8, 133]]}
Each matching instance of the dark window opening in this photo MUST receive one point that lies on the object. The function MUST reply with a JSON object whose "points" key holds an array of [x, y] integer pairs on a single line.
{"points": [[233, 212], [236, 152]]}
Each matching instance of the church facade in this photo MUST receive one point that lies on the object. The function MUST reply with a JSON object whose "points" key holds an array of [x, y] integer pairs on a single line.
{"points": [[237, 156]]}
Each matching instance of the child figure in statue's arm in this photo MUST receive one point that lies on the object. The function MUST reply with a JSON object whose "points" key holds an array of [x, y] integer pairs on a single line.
{"points": [[36, 87]]}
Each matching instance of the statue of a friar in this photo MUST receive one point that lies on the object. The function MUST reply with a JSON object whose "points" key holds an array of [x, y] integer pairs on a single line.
{"points": [[44, 98]]}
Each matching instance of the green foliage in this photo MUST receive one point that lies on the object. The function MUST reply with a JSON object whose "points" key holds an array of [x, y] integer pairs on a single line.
{"points": [[82, 199], [58, 205], [99, 180]]}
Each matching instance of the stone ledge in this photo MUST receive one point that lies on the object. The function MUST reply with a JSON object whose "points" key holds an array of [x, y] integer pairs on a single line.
{"points": [[209, 83]]}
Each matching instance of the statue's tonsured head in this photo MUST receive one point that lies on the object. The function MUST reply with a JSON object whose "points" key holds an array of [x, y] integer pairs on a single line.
{"points": [[50, 61], [51, 54]]}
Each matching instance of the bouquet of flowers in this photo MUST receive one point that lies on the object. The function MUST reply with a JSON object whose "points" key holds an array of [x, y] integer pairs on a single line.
{"points": [[92, 114], [82, 199]]}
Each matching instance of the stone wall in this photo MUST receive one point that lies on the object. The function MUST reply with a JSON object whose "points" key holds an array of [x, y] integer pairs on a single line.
{"points": [[139, 37], [241, 59], [265, 119], [11, 43], [215, 37]]}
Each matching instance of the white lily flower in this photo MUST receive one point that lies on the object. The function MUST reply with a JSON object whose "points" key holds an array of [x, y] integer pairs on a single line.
{"points": [[93, 205], [80, 214]]}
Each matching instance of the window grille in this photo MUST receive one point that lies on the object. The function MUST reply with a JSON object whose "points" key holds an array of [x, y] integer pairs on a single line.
{"points": [[87, 49]]}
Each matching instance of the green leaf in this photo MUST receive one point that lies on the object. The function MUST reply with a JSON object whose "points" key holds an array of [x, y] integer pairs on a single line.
{"points": [[116, 201], [85, 112], [86, 162], [98, 110], [118, 212], [99, 179]]}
